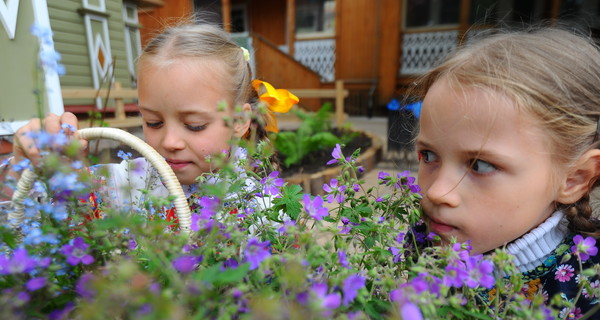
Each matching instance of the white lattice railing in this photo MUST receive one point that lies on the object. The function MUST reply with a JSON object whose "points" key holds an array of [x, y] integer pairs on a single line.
{"points": [[421, 51], [316, 54]]}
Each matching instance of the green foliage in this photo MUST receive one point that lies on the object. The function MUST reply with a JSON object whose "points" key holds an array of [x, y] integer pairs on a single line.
{"points": [[313, 134]]}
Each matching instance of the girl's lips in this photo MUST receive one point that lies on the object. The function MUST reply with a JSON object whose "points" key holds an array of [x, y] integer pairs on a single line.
{"points": [[439, 227], [177, 164]]}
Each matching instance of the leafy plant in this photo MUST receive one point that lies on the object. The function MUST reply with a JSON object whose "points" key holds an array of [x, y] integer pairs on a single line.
{"points": [[313, 134], [262, 250]]}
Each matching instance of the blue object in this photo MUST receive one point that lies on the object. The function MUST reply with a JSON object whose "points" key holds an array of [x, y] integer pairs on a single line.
{"points": [[393, 105], [415, 108]]}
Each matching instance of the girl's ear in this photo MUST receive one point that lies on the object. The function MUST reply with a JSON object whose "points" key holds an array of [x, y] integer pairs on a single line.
{"points": [[577, 182], [242, 122]]}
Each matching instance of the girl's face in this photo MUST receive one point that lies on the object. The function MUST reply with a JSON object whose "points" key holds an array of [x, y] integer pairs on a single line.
{"points": [[485, 167], [179, 103]]}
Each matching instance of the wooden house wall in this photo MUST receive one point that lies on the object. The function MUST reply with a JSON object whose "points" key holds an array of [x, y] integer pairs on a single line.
{"points": [[70, 40], [389, 50], [281, 70], [153, 20], [356, 43], [267, 18]]}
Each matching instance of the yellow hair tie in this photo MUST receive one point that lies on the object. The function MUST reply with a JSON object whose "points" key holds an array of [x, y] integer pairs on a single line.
{"points": [[277, 100]]}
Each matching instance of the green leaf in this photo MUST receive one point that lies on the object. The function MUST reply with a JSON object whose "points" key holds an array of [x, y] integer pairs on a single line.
{"points": [[216, 275], [290, 201], [8, 237]]}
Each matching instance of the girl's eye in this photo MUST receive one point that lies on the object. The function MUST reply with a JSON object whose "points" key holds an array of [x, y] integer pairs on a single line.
{"points": [[195, 128], [427, 156], [482, 167], [154, 125]]}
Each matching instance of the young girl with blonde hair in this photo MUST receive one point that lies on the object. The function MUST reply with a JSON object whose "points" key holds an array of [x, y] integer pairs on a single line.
{"points": [[196, 95], [508, 149]]}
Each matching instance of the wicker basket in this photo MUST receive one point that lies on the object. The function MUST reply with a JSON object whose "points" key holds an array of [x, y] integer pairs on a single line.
{"points": [[16, 215]]}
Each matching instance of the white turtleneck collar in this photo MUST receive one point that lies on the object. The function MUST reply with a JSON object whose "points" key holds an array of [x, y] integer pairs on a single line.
{"points": [[534, 247]]}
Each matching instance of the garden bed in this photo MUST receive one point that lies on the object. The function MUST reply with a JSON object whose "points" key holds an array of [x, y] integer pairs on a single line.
{"points": [[313, 172]]}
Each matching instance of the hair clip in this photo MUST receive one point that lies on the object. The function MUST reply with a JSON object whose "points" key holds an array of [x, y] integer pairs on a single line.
{"points": [[277, 100], [246, 54]]}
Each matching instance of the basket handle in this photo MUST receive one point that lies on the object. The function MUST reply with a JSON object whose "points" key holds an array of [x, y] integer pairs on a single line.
{"points": [[164, 170]]}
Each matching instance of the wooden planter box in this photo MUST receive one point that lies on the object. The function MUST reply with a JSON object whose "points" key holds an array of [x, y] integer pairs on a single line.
{"points": [[313, 182]]}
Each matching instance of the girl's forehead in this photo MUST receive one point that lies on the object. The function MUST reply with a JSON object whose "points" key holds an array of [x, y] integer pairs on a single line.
{"points": [[474, 109]]}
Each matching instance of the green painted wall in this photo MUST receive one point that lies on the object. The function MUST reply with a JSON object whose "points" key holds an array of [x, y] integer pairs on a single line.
{"points": [[17, 68], [70, 40]]}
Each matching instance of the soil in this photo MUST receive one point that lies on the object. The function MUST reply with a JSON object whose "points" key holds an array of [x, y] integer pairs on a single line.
{"points": [[316, 161]]}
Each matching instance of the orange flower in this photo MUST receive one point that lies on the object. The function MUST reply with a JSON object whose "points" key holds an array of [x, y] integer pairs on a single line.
{"points": [[277, 100]]}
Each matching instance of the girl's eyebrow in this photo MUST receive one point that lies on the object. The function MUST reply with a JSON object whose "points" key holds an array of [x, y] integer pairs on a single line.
{"points": [[422, 144], [474, 153], [182, 113], [146, 109]]}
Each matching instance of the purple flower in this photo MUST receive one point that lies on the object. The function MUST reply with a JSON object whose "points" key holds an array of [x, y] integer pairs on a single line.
{"points": [[315, 207], [351, 286], [455, 276], [256, 252], [84, 286], [336, 154], [400, 237], [23, 296], [287, 223], [20, 262], [584, 248], [62, 313], [404, 179], [396, 254], [185, 263], [480, 272], [335, 192], [347, 225], [209, 206], [196, 224], [328, 301], [342, 259], [408, 310], [272, 183], [35, 283], [383, 176], [425, 282], [356, 187], [76, 252], [230, 263]]}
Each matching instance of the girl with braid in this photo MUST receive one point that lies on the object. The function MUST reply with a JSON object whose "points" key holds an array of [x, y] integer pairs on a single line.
{"points": [[508, 150]]}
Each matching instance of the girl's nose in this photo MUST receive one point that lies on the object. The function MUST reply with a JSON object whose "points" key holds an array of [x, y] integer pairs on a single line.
{"points": [[443, 189], [172, 140]]}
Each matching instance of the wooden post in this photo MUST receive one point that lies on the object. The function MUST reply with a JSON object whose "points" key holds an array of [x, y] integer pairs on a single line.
{"points": [[465, 8], [291, 25], [226, 13], [119, 105], [555, 11], [339, 103]]}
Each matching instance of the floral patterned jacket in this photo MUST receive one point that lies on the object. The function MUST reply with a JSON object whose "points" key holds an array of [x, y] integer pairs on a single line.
{"points": [[563, 278]]}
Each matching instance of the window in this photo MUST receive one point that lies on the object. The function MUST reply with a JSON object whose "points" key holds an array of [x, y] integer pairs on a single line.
{"points": [[427, 13], [315, 16]]}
